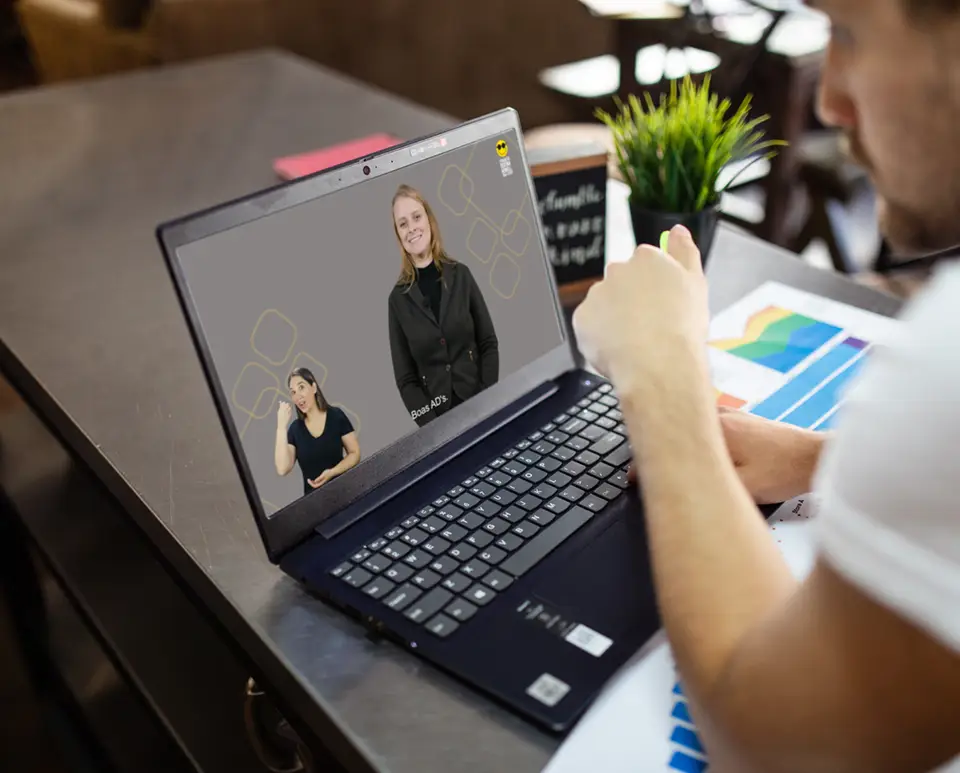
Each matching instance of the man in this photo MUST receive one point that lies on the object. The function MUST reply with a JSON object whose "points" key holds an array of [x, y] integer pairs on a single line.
{"points": [[858, 667]]}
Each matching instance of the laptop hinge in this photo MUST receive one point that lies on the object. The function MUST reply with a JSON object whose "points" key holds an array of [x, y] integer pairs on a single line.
{"points": [[429, 464]]}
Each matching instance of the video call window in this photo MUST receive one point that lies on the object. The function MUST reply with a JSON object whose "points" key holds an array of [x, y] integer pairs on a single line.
{"points": [[340, 325]]}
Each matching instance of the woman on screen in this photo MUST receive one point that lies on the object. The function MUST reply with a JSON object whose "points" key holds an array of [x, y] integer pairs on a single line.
{"points": [[442, 340], [321, 439]]}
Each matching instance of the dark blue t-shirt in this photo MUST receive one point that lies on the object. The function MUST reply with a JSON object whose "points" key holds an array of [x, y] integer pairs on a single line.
{"points": [[316, 454]]}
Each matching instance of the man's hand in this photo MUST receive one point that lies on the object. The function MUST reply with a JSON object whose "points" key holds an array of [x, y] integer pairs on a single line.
{"points": [[775, 461], [322, 478], [284, 414], [648, 316]]}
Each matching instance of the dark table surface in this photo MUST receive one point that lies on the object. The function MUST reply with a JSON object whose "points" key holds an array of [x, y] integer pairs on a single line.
{"points": [[91, 330]]}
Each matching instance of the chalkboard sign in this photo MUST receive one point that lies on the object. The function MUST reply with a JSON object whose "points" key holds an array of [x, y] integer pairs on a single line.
{"points": [[571, 185]]}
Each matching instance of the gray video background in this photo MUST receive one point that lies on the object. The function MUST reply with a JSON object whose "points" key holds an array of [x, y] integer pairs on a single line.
{"points": [[308, 286]]}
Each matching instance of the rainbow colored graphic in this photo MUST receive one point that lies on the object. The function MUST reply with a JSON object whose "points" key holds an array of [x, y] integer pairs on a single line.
{"points": [[778, 339]]}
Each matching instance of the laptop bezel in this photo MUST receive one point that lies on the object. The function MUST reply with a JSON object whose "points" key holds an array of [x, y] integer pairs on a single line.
{"points": [[294, 522]]}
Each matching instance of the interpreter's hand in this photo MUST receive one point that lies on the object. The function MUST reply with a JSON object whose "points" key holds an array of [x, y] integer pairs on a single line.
{"points": [[284, 414], [775, 461], [647, 314], [322, 478]]}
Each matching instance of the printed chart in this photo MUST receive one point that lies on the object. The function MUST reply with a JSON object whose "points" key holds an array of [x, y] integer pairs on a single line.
{"points": [[789, 356]]}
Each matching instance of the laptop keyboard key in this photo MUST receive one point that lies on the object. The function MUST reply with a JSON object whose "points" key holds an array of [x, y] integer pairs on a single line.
{"points": [[377, 545], [498, 580], [450, 512], [559, 479], [509, 542], [593, 503], [607, 443], [399, 572], [606, 422], [440, 501], [558, 438], [426, 579], [475, 569], [587, 458], [523, 445], [543, 517], [620, 479], [615, 415], [463, 551], [526, 529], [487, 509], [418, 559], [545, 542], [496, 526], [339, 571], [479, 595], [544, 447], [357, 577], [461, 609], [469, 483], [546, 429], [402, 597], [500, 478], [423, 512], [379, 587], [601, 470], [503, 497], [414, 537], [599, 409], [573, 426], [427, 606], [578, 443], [534, 437], [549, 464], [483, 472], [608, 491], [436, 546], [587, 415], [360, 556], [513, 514], [557, 505], [454, 532], [587, 482], [510, 454], [480, 539], [498, 463], [528, 458], [534, 475], [410, 522], [573, 468], [445, 565], [471, 521], [564, 453], [395, 532], [592, 433], [396, 550], [377, 563], [483, 489], [455, 492], [620, 456], [572, 494], [442, 626], [466, 501], [544, 491], [458, 583], [492, 556], [514, 468], [433, 524], [519, 486]]}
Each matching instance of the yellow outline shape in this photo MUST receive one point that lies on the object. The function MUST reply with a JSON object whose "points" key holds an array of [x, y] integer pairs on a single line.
{"points": [[463, 176], [473, 149], [251, 417], [515, 284], [233, 392], [504, 233], [496, 237], [285, 318]]}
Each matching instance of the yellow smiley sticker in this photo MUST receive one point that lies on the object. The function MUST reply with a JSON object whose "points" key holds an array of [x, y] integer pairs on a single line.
{"points": [[501, 148]]}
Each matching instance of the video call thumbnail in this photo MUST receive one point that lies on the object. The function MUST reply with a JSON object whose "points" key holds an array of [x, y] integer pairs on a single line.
{"points": [[340, 325]]}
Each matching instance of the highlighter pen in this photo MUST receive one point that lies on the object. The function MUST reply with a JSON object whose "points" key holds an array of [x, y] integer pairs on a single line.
{"points": [[664, 240]]}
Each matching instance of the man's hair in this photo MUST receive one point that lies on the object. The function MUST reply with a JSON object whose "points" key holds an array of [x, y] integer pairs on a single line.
{"points": [[926, 8]]}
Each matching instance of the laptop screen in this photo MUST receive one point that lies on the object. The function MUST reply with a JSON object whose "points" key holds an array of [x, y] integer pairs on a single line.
{"points": [[340, 325]]}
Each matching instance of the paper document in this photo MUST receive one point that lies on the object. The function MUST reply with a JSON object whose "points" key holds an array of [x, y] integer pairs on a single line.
{"points": [[783, 354]]}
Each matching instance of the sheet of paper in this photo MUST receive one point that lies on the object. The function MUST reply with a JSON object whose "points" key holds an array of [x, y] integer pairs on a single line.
{"points": [[779, 353]]}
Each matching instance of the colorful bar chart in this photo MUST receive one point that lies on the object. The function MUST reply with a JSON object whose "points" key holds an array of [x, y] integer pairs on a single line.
{"points": [[824, 400], [817, 375], [778, 339]]}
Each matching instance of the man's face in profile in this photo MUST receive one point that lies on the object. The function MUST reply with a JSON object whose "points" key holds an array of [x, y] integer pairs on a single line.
{"points": [[891, 81]]}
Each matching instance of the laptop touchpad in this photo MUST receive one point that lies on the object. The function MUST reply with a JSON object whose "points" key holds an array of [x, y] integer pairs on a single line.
{"points": [[607, 584]]}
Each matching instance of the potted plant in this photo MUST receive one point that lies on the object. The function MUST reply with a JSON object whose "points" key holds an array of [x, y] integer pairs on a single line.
{"points": [[672, 154]]}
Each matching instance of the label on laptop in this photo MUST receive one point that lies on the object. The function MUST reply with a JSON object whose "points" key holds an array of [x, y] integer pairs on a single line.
{"points": [[571, 631], [548, 689]]}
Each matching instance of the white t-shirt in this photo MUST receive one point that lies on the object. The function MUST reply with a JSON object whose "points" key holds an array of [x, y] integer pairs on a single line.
{"points": [[890, 482]]}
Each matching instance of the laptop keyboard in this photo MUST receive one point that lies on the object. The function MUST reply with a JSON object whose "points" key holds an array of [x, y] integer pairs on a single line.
{"points": [[442, 564]]}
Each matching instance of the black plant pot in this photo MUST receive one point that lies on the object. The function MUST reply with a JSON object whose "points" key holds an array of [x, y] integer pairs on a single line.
{"points": [[649, 224]]}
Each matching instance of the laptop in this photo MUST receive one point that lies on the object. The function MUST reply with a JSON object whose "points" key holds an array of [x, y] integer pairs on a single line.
{"points": [[438, 468]]}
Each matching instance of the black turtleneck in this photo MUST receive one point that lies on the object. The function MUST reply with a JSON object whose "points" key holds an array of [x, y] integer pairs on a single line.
{"points": [[428, 280]]}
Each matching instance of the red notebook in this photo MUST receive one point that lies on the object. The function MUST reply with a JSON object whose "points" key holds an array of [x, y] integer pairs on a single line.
{"points": [[292, 167]]}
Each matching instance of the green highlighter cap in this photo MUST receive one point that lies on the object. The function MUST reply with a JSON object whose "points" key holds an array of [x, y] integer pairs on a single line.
{"points": [[664, 240]]}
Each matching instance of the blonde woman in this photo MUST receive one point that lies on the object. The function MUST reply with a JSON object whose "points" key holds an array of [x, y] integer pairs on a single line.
{"points": [[442, 340]]}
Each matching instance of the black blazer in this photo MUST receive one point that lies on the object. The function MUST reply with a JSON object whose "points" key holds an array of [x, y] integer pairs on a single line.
{"points": [[433, 360]]}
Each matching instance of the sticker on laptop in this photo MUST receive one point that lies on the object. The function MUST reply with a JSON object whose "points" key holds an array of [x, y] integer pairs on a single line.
{"points": [[548, 689], [572, 632]]}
